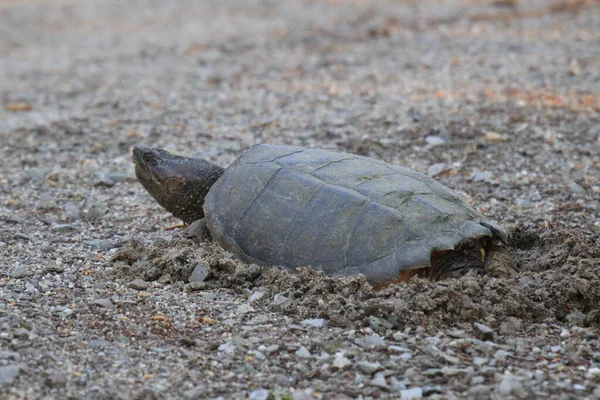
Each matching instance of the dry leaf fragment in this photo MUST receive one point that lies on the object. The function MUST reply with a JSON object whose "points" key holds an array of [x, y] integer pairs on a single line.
{"points": [[494, 137], [18, 106]]}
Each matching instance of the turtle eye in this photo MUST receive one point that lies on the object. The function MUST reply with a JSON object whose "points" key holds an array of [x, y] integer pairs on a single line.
{"points": [[148, 157], [173, 185]]}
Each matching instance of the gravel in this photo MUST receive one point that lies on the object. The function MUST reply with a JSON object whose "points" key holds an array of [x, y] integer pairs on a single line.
{"points": [[101, 297]]}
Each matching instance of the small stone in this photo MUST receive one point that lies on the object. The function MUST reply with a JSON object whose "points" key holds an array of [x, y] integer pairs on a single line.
{"points": [[341, 362], [101, 244], [103, 179], [510, 384], [280, 302], [95, 211], [21, 236], [8, 374], [30, 287], [449, 359], [199, 273], [227, 348], [368, 368], [57, 379], [483, 332], [412, 393], [370, 342], [436, 169], [501, 355], [195, 286], [576, 189], [245, 309], [303, 352], [21, 333], [575, 318], [450, 371], [481, 176], [197, 231], [435, 141], [380, 382], [19, 272], [398, 349], [139, 284], [194, 393], [256, 296], [479, 361], [62, 228], [306, 394], [105, 303], [259, 394], [315, 323]]}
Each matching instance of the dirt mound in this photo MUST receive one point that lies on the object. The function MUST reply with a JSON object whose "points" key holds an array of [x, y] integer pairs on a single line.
{"points": [[558, 281]]}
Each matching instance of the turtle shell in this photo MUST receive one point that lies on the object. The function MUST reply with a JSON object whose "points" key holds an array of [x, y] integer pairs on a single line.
{"points": [[346, 214]]}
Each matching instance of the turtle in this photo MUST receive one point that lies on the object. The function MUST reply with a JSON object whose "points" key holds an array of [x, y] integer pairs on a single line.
{"points": [[346, 214]]}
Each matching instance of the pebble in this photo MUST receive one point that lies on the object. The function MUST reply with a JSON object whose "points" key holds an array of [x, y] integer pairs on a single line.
{"points": [[437, 169], [227, 348], [434, 141], [19, 272], [315, 323], [306, 394], [501, 354], [481, 176], [412, 393], [139, 284], [371, 342], [245, 309], [62, 228], [483, 332], [256, 296], [102, 244], [22, 236], [199, 273], [398, 349], [510, 384], [279, 302], [449, 371], [379, 381], [303, 352], [103, 179], [575, 318], [21, 333], [368, 368], [106, 303], [195, 286], [576, 189], [30, 287], [341, 362], [449, 359], [57, 379], [259, 394], [8, 374]]}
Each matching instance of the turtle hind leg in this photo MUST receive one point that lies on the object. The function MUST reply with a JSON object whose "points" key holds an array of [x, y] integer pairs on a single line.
{"points": [[498, 261], [456, 263]]}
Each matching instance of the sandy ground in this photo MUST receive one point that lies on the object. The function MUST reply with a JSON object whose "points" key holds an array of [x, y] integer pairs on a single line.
{"points": [[98, 299]]}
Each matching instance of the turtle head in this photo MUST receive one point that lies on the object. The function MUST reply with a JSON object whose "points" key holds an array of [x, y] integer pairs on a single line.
{"points": [[179, 184]]}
